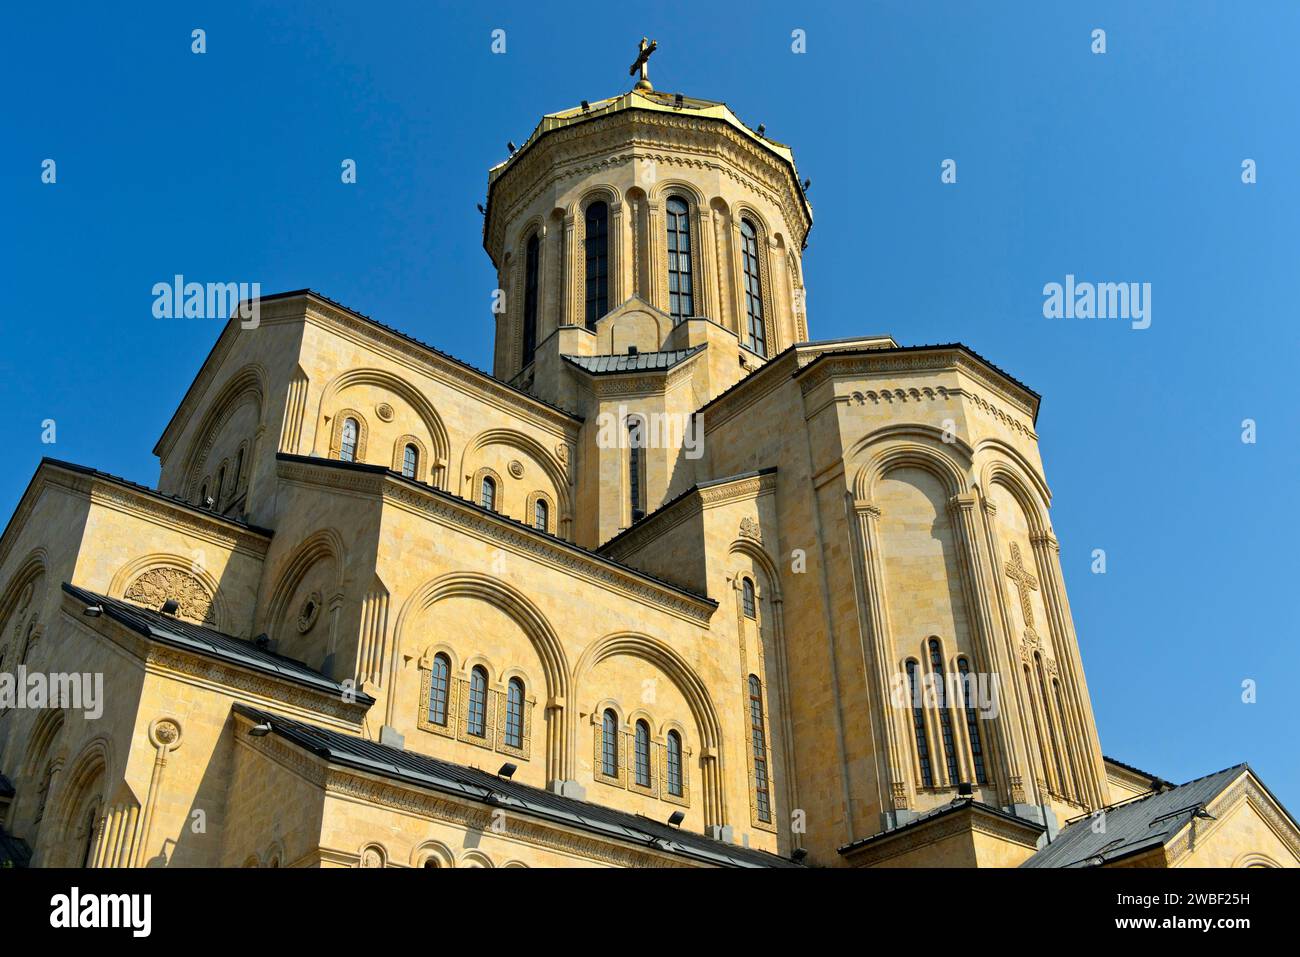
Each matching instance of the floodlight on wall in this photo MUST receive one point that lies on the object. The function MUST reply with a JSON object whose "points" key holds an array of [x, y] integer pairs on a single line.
{"points": [[94, 611], [965, 790], [481, 210], [260, 730], [170, 607], [510, 145], [761, 129], [209, 502], [676, 818], [799, 855], [807, 185], [585, 106], [507, 771], [677, 101]]}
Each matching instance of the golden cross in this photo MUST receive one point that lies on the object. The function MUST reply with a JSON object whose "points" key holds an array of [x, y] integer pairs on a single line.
{"points": [[1025, 583], [643, 62]]}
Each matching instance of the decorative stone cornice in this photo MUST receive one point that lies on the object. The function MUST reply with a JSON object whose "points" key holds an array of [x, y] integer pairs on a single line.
{"points": [[677, 139]]}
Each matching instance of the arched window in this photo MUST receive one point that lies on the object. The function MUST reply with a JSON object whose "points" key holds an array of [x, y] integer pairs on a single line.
{"points": [[531, 255], [488, 494], [477, 723], [756, 336], [747, 597], [609, 744], [1038, 727], [642, 754], [681, 290], [239, 469], [541, 515], [674, 764], [1065, 739], [348, 441], [918, 728], [88, 839], [972, 723], [1052, 736], [203, 495], [515, 713], [410, 460], [27, 643], [597, 244], [759, 739], [635, 478], [439, 686], [221, 485], [945, 715]]}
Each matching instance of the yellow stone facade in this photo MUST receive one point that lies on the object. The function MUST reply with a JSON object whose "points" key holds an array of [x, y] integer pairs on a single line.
{"points": [[828, 519]]}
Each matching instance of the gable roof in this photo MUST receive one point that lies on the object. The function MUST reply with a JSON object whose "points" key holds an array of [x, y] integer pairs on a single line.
{"points": [[473, 784], [211, 643], [640, 362], [1139, 825]]}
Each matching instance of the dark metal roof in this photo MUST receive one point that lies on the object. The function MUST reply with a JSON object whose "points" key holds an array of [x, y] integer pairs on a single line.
{"points": [[488, 513], [1153, 778], [641, 362], [14, 851], [1134, 826], [212, 643], [154, 493], [476, 785], [959, 804]]}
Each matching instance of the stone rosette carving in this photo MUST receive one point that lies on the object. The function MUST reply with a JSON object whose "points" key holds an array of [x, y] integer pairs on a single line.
{"points": [[384, 411], [516, 468], [157, 585], [165, 733], [750, 529]]}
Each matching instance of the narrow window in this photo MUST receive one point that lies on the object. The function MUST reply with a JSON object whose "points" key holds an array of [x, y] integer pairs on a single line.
{"points": [[1038, 727], [530, 298], [635, 439], [410, 460], [1052, 736], [1065, 740], [681, 291], [488, 494], [597, 263], [439, 684], [203, 494], [609, 745], [89, 841], [541, 515], [348, 441], [477, 724], [642, 754], [515, 713], [221, 484], [674, 764], [239, 469], [747, 598], [759, 740], [918, 728], [756, 339], [945, 715], [972, 722]]}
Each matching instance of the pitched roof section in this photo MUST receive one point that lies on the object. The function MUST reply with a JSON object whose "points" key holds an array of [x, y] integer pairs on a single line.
{"points": [[212, 643], [176, 500], [470, 783], [943, 810], [1135, 826], [640, 362]]}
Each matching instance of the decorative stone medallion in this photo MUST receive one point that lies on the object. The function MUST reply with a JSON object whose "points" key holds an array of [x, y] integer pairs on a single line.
{"points": [[309, 613], [516, 468], [165, 733], [384, 411]]}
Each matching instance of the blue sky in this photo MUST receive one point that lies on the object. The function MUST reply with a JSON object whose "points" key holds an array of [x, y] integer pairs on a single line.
{"points": [[1124, 166]]}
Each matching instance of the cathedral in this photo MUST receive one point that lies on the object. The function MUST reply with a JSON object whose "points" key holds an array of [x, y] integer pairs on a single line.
{"points": [[676, 585]]}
